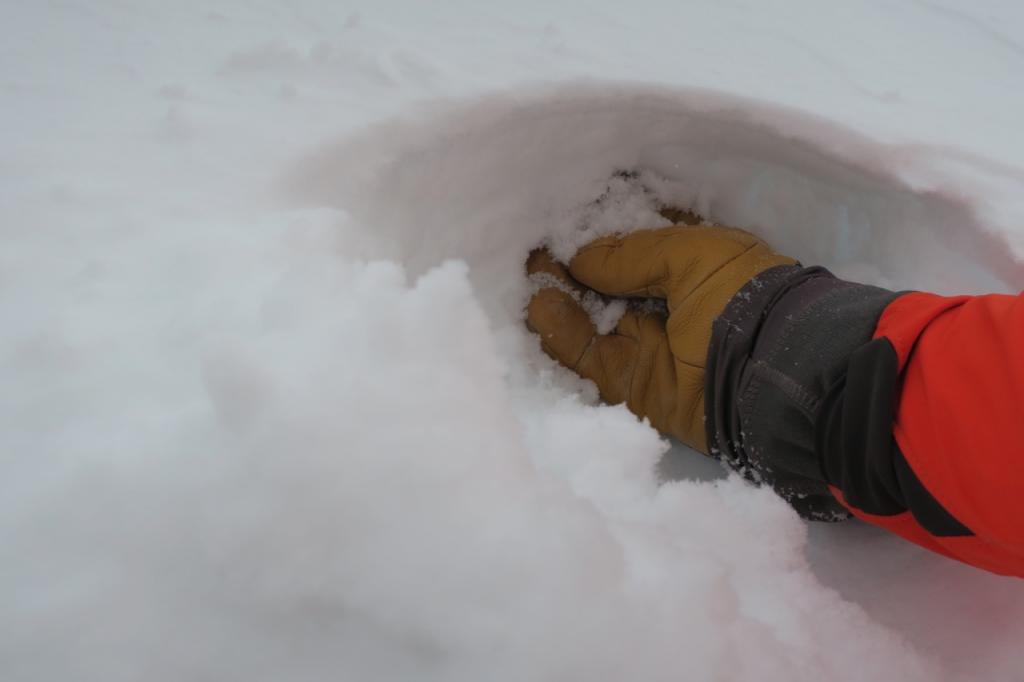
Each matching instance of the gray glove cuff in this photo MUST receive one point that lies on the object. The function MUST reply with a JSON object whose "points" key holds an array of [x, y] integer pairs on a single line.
{"points": [[775, 350]]}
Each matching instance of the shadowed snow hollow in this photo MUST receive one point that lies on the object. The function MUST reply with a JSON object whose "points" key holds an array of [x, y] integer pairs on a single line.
{"points": [[489, 180]]}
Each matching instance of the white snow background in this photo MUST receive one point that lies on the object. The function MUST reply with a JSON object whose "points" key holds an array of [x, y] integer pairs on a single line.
{"points": [[269, 411]]}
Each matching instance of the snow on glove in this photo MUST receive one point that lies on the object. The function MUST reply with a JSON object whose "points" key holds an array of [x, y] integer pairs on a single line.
{"points": [[652, 362]]}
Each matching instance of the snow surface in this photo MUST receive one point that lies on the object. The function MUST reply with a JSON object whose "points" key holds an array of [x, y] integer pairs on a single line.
{"points": [[270, 411]]}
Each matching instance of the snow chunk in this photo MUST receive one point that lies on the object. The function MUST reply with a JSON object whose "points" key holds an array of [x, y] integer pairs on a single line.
{"points": [[604, 313]]}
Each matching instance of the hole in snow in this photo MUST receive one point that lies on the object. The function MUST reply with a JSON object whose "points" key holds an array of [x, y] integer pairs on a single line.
{"points": [[488, 180]]}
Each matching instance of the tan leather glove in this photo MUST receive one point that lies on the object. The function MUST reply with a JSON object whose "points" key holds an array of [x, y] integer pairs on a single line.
{"points": [[653, 363]]}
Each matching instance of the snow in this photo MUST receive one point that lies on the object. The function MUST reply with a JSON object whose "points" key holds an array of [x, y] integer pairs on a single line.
{"points": [[604, 313], [270, 408]]}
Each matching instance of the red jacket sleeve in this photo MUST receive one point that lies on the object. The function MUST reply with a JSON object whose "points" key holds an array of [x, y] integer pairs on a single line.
{"points": [[959, 420]]}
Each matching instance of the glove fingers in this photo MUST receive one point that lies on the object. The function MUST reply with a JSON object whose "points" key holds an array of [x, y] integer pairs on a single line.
{"points": [[634, 364], [620, 363], [541, 266], [569, 336], [657, 263], [554, 312], [564, 327]]}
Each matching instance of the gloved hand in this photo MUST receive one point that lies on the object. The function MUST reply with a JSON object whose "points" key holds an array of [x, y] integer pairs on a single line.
{"points": [[652, 362]]}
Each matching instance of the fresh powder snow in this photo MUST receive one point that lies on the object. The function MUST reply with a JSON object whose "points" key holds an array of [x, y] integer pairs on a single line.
{"points": [[270, 411]]}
